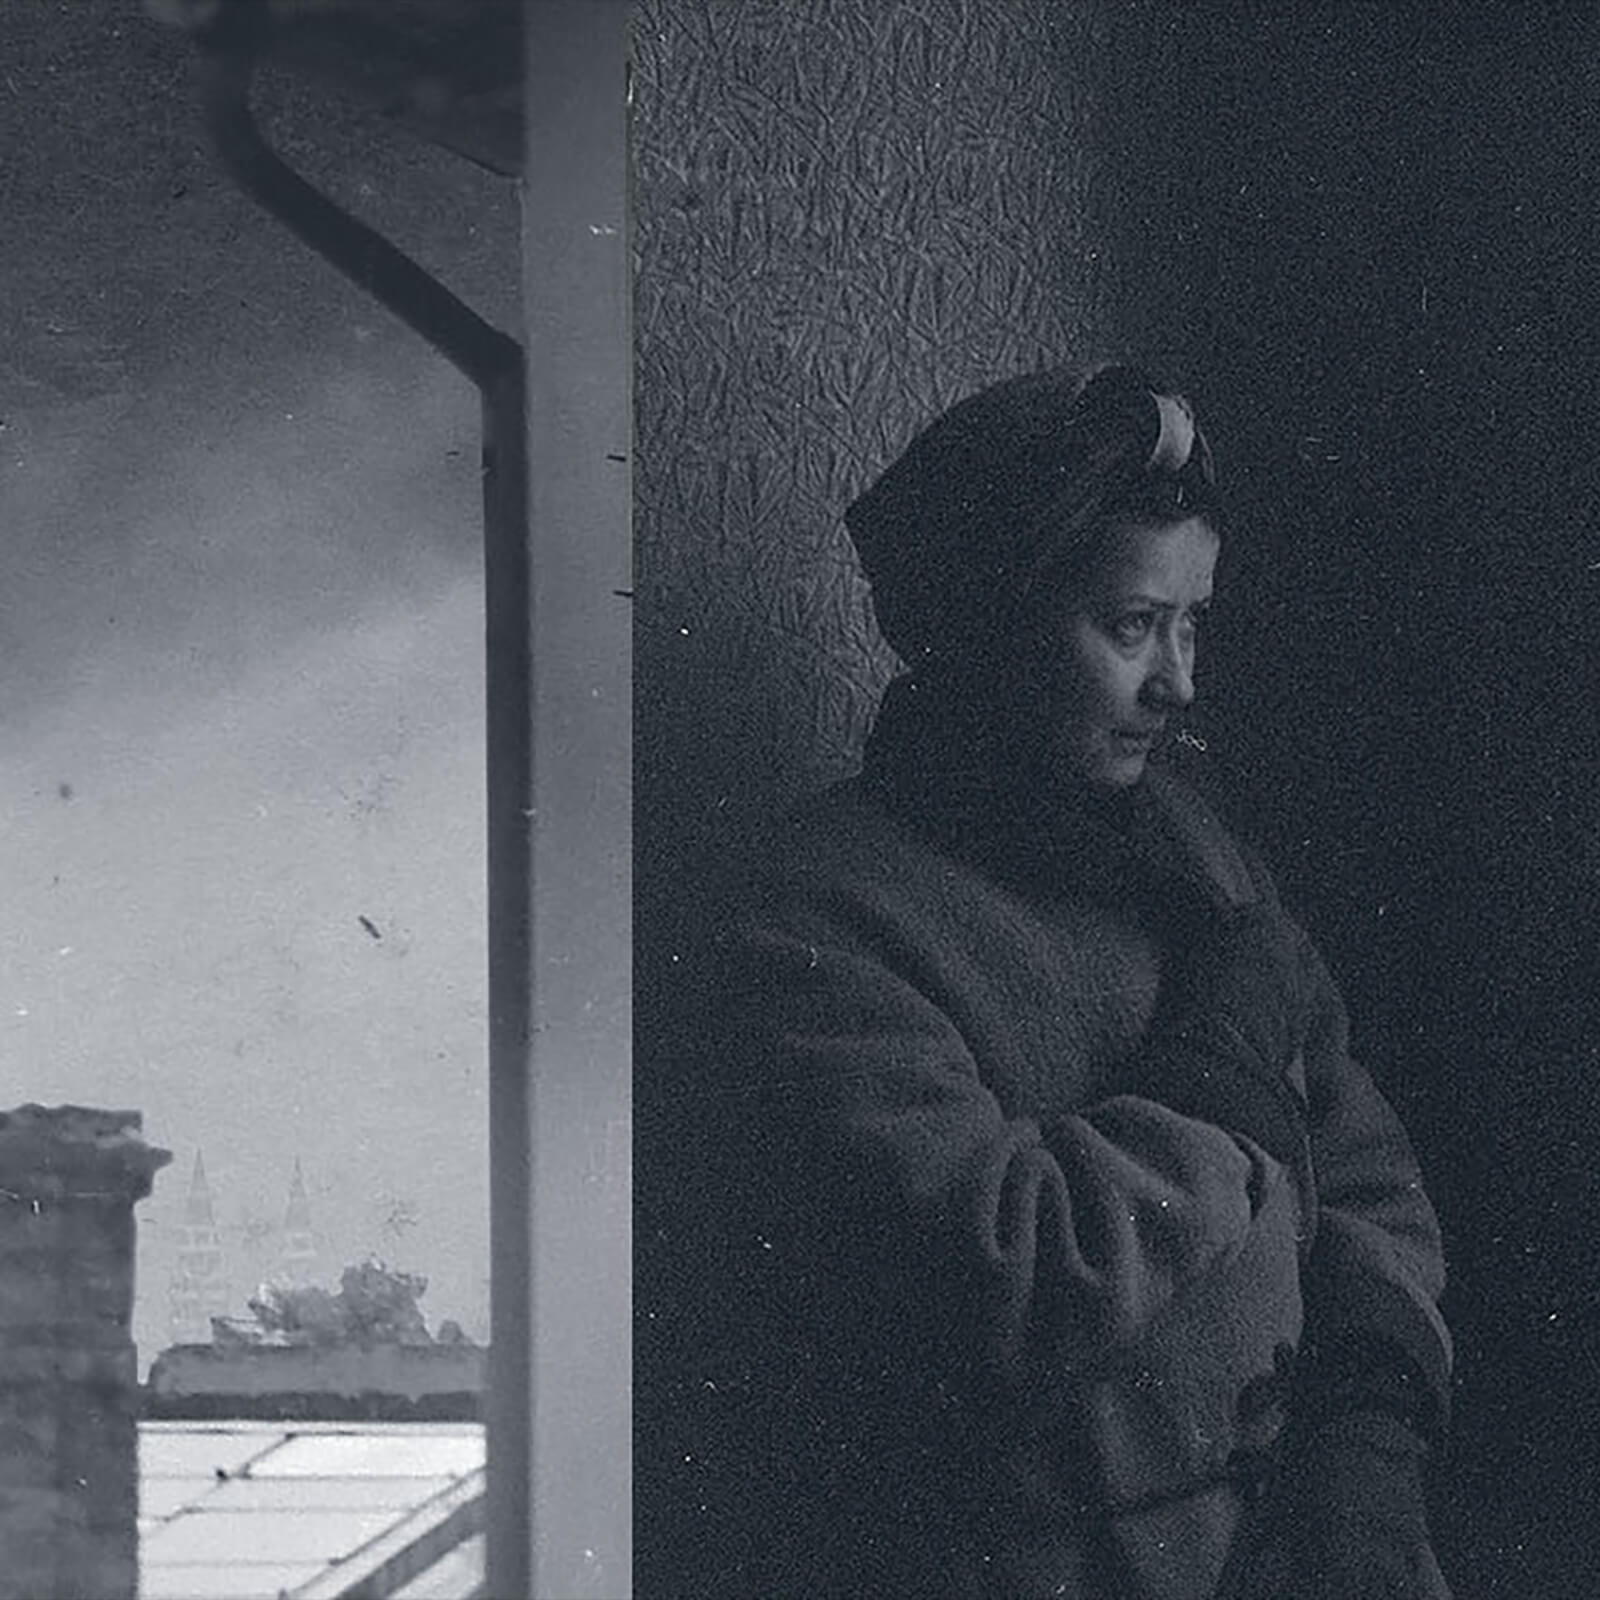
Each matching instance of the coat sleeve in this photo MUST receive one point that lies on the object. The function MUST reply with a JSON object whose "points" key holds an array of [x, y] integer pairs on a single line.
{"points": [[885, 1162], [1376, 1268]]}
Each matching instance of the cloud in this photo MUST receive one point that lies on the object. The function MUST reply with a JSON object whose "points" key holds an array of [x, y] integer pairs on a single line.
{"points": [[194, 533]]}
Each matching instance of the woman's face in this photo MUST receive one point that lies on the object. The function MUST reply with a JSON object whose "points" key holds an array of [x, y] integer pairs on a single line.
{"points": [[1110, 663]]}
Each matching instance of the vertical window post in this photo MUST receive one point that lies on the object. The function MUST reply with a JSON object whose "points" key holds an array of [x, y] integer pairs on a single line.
{"points": [[560, 1515]]}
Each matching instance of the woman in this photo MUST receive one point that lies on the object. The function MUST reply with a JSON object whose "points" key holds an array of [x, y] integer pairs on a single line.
{"points": [[1051, 1241]]}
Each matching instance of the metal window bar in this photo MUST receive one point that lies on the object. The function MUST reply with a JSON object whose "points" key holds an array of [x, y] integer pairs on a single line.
{"points": [[494, 363]]}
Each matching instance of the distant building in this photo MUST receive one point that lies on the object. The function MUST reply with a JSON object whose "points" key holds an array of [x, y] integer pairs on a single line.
{"points": [[199, 1287], [374, 1382]]}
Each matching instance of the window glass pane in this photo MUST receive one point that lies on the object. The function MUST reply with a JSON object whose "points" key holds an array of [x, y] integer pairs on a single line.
{"points": [[241, 678]]}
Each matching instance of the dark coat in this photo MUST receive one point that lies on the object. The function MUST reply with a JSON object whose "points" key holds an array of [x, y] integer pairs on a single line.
{"points": [[955, 1315]]}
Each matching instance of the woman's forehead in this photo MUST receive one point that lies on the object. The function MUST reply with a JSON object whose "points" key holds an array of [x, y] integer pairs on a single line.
{"points": [[1176, 559]]}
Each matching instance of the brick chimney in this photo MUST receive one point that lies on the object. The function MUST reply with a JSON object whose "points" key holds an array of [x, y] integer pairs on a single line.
{"points": [[69, 1465]]}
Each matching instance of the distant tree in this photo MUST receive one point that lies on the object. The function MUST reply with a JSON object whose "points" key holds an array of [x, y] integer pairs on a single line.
{"points": [[381, 1306], [374, 1305], [300, 1316]]}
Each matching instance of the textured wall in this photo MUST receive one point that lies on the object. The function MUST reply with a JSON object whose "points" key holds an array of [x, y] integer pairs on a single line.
{"points": [[846, 216]]}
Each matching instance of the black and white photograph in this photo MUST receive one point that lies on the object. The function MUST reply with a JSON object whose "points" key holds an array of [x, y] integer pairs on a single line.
{"points": [[801, 799]]}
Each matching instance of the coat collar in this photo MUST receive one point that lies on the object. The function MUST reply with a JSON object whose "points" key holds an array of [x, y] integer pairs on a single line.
{"points": [[944, 768]]}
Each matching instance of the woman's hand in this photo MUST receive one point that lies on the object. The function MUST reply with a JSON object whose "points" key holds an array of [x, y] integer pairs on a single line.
{"points": [[1229, 1023], [1239, 970]]}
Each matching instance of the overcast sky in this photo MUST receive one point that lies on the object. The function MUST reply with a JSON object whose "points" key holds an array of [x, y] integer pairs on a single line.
{"points": [[240, 660]]}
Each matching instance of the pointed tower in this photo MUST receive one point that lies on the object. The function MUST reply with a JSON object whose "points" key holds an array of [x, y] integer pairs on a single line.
{"points": [[199, 1288], [296, 1266]]}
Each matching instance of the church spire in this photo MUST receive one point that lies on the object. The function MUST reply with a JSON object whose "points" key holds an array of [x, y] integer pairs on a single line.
{"points": [[199, 1288], [297, 1250], [197, 1212]]}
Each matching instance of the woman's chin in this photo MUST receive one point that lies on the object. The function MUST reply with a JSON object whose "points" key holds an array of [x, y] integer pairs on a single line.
{"points": [[1122, 773], [1102, 771]]}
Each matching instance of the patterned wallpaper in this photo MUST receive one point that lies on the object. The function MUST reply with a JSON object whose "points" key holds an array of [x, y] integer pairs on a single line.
{"points": [[847, 215]]}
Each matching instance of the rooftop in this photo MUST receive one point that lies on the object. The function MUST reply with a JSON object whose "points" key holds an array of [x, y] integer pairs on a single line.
{"points": [[311, 1510]]}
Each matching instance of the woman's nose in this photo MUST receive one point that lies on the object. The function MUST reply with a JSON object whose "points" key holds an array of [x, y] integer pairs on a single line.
{"points": [[1171, 681]]}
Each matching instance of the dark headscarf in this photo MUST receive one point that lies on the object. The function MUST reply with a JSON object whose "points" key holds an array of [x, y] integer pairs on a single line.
{"points": [[1005, 493]]}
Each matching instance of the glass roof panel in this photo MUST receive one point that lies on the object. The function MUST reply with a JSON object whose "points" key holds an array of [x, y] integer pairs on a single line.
{"points": [[234, 1510], [194, 1452], [249, 1537], [161, 1497], [373, 1455], [223, 1580], [325, 1494]]}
